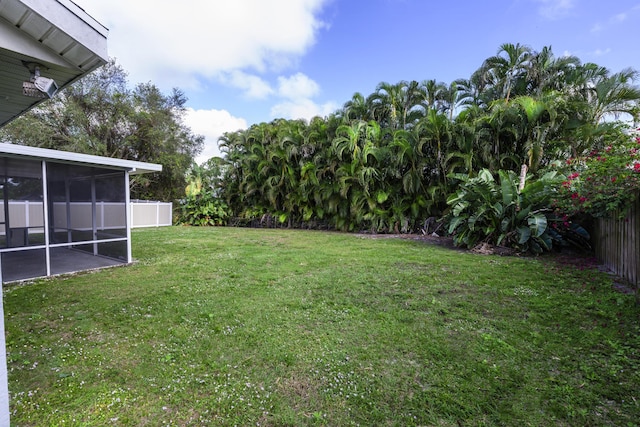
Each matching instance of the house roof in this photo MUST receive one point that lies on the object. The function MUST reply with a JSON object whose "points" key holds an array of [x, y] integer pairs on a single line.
{"points": [[58, 35], [22, 151]]}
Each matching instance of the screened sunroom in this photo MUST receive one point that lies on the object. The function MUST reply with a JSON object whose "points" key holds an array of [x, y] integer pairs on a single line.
{"points": [[63, 212]]}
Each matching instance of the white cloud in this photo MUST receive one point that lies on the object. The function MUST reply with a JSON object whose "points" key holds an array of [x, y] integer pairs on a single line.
{"points": [[296, 93], [212, 124], [176, 43], [600, 52], [253, 86], [302, 109], [297, 86], [554, 9], [195, 44], [616, 20], [620, 17]]}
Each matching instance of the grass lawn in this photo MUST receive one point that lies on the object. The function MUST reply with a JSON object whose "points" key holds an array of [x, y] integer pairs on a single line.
{"points": [[227, 326]]}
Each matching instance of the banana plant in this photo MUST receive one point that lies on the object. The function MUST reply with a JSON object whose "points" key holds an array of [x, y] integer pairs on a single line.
{"points": [[496, 211]]}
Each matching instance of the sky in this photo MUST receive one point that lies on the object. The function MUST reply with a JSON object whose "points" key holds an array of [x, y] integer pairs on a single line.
{"points": [[243, 62]]}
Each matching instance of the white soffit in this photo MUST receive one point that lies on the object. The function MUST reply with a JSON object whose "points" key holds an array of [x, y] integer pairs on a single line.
{"points": [[58, 35]]}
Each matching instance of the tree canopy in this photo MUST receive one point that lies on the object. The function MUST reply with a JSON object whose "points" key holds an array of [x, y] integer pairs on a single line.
{"points": [[388, 161]]}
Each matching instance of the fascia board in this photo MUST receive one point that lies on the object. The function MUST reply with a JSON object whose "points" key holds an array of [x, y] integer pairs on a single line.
{"points": [[134, 167]]}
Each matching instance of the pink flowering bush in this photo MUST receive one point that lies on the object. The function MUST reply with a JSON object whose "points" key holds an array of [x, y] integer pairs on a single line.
{"points": [[603, 182]]}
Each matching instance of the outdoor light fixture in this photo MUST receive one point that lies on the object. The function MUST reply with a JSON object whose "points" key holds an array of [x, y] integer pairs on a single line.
{"points": [[38, 86]]}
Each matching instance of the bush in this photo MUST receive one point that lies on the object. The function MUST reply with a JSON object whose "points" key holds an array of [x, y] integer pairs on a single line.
{"points": [[203, 209], [603, 183], [484, 210]]}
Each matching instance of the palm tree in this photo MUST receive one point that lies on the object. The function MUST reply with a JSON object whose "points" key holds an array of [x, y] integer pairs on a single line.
{"points": [[432, 94], [358, 148], [537, 122], [436, 132], [408, 160], [356, 108], [507, 68], [391, 105], [614, 95], [496, 135], [546, 73], [459, 94]]}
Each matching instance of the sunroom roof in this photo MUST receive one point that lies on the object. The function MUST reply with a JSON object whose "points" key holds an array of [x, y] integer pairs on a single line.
{"points": [[58, 35], [21, 151]]}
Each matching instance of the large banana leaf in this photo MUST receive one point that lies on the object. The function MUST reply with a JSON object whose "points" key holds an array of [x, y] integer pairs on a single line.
{"points": [[524, 234], [538, 224], [459, 207], [455, 222], [545, 241], [509, 190]]}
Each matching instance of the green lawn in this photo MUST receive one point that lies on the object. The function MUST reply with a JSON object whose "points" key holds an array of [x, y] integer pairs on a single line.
{"points": [[226, 326]]}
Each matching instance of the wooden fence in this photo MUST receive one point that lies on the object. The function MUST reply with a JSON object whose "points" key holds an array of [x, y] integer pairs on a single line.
{"points": [[617, 245]]}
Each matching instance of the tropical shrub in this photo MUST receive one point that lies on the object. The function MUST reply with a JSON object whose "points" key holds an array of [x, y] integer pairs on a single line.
{"points": [[203, 209], [487, 210], [604, 182]]}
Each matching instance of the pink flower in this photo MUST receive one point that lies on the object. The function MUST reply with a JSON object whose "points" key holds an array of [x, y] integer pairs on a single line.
{"points": [[636, 167], [614, 179], [583, 199], [574, 196]]}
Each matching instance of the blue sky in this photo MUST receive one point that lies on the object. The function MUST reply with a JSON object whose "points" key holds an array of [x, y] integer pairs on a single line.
{"points": [[242, 62]]}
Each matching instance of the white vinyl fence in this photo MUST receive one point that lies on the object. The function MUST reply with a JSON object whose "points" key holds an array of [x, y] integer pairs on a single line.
{"points": [[151, 214], [25, 214]]}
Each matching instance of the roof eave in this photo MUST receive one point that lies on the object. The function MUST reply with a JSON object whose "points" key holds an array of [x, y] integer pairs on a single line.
{"points": [[132, 166]]}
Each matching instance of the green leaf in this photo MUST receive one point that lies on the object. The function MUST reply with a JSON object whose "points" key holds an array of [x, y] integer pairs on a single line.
{"points": [[545, 241], [580, 231], [537, 224], [455, 197], [477, 216], [455, 222], [498, 208], [535, 247], [523, 213], [458, 208], [485, 175], [524, 233], [382, 196], [509, 190]]}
